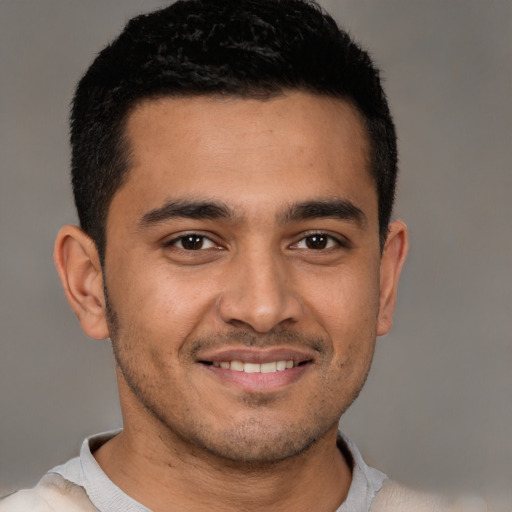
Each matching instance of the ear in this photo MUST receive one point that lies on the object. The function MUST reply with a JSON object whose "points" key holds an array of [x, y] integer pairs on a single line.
{"points": [[78, 265], [392, 261]]}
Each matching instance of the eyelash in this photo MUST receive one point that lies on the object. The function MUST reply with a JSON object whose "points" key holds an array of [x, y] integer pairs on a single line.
{"points": [[331, 242], [182, 238]]}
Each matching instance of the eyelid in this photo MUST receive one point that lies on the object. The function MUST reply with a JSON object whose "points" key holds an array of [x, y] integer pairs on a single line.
{"points": [[339, 239], [176, 238]]}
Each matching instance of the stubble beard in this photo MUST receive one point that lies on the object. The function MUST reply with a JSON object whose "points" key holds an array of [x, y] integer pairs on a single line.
{"points": [[249, 445]]}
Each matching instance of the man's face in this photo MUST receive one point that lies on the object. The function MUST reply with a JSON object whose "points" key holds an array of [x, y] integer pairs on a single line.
{"points": [[242, 268]]}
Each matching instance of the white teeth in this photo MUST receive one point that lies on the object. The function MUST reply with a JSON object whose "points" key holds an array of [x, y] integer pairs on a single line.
{"points": [[252, 368], [268, 367], [239, 366]]}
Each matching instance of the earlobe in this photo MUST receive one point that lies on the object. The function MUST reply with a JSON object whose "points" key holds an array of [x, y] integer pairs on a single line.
{"points": [[392, 261], [78, 265]]}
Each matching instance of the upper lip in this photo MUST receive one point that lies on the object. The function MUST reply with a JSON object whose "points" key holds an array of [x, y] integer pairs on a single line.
{"points": [[256, 355]]}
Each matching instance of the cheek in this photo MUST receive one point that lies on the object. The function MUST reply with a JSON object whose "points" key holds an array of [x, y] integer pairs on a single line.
{"points": [[345, 300], [346, 308], [161, 306]]}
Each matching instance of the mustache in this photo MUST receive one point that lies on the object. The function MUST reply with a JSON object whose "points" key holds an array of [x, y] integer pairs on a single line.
{"points": [[275, 338]]}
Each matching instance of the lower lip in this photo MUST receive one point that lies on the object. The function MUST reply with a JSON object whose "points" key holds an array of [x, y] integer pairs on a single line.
{"points": [[259, 382]]}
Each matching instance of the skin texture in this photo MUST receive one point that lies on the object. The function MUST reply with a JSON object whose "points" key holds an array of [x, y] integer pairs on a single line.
{"points": [[257, 286]]}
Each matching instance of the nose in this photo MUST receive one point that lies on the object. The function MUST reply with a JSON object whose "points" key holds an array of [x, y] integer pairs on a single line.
{"points": [[258, 294]]}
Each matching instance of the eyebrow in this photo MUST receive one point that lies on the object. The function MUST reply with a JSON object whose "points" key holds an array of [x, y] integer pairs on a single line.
{"points": [[340, 209], [188, 210]]}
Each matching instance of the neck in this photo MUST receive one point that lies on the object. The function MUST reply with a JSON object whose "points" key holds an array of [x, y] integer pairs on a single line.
{"points": [[158, 471]]}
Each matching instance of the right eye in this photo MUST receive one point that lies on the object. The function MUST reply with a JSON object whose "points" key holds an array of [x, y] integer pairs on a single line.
{"points": [[192, 242]]}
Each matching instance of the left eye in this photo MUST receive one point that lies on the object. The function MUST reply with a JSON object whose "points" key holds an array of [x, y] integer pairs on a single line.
{"points": [[192, 242], [317, 242]]}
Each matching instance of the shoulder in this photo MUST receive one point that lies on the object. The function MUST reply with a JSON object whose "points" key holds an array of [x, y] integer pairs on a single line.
{"points": [[394, 497], [53, 493]]}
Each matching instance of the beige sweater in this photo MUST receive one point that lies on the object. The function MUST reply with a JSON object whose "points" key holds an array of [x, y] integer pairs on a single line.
{"points": [[55, 494], [52, 494]]}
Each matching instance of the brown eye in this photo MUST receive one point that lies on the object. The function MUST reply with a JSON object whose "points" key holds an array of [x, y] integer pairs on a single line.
{"points": [[317, 241], [192, 242]]}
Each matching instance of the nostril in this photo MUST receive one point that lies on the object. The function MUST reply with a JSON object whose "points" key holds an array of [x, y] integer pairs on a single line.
{"points": [[240, 323]]}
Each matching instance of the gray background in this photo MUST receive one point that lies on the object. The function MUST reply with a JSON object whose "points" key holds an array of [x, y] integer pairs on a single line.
{"points": [[437, 409]]}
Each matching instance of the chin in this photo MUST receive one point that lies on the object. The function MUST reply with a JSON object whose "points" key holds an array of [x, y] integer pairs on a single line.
{"points": [[256, 443]]}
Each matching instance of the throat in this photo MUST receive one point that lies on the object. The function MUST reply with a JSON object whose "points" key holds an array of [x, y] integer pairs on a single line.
{"points": [[318, 479]]}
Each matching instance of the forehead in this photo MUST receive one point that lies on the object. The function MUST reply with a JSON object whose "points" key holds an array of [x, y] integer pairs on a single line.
{"points": [[246, 152]]}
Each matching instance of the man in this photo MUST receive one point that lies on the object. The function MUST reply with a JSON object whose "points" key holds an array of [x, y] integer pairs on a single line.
{"points": [[234, 167]]}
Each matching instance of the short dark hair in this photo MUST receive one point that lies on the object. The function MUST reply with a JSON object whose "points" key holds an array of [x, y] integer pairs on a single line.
{"points": [[243, 48]]}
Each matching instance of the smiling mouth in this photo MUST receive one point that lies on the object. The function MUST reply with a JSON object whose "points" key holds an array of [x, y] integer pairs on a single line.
{"points": [[248, 367], [252, 370]]}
